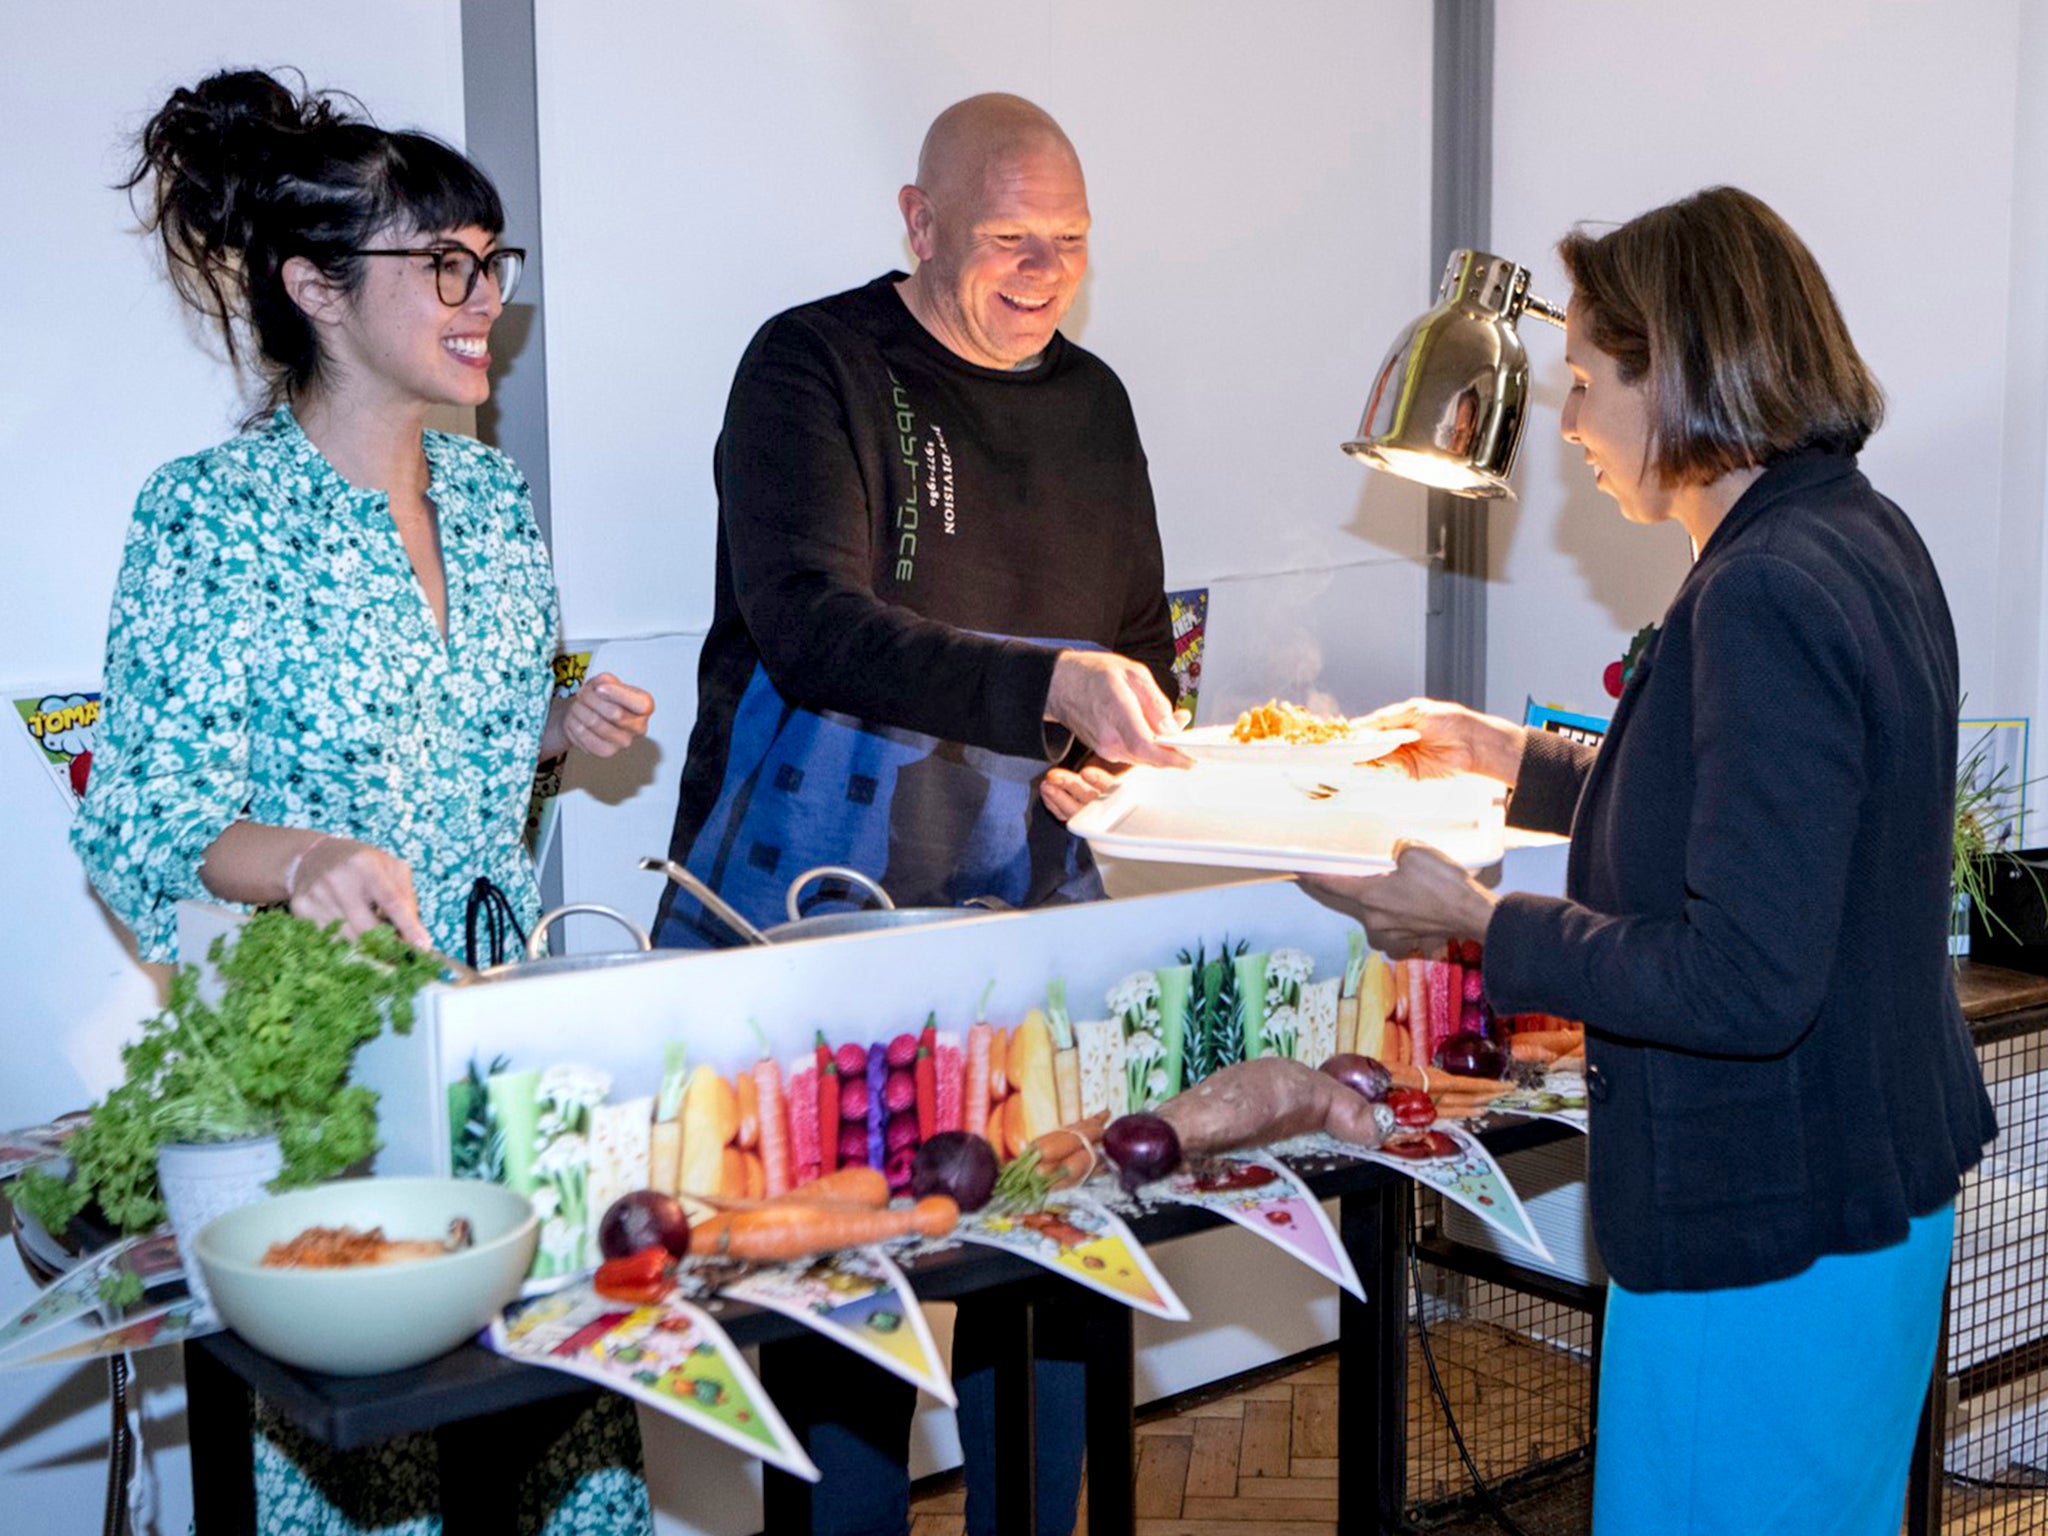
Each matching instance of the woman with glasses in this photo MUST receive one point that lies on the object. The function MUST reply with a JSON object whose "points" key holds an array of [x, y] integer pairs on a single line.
{"points": [[329, 662]]}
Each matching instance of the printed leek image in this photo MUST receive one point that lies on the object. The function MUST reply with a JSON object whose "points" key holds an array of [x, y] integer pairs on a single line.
{"points": [[564, 1099], [1134, 1003]]}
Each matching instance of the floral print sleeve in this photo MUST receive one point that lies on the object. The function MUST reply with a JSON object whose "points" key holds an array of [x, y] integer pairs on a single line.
{"points": [[171, 769]]}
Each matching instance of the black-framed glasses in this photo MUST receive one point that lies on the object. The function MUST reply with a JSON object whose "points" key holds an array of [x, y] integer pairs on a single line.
{"points": [[457, 267]]}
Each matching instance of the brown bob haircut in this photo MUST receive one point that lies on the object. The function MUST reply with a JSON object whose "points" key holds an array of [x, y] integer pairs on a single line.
{"points": [[1723, 310]]}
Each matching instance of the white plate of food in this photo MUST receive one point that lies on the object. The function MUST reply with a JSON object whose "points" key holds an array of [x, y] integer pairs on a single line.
{"points": [[1282, 818], [1277, 732]]}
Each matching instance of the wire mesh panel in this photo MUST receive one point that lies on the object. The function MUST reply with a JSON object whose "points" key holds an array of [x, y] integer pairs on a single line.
{"points": [[1501, 1374], [1994, 1436]]}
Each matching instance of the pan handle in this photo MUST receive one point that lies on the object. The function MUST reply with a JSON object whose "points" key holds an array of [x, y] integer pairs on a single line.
{"points": [[853, 877], [713, 903], [537, 943]]}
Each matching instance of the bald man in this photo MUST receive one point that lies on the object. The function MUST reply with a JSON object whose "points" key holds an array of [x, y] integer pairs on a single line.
{"points": [[939, 601]]}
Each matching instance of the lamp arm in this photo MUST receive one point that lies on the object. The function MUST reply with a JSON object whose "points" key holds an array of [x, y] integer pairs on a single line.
{"points": [[1543, 309]]}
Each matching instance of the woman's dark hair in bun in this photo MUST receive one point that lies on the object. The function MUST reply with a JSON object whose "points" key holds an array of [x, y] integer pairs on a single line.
{"points": [[246, 173]]}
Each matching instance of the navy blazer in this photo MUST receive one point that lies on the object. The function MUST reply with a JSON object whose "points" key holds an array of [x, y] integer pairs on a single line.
{"points": [[1756, 913]]}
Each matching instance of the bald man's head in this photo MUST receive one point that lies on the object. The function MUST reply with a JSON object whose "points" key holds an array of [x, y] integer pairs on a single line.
{"points": [[965, 138], [998, 219]]}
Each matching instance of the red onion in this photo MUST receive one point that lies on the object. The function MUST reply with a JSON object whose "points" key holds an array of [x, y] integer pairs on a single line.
{"points": [[1361, 1074], [956, 1163]]}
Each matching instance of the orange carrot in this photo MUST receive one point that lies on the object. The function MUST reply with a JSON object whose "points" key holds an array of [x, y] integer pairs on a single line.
{"points": [[773, 1112], [847, 1186], [974, 1097], [1419, 1023], [749, 1096], [1531, 1050], [1068, 1154], [999, 1084], [1437, 1082], [776, 1233]]}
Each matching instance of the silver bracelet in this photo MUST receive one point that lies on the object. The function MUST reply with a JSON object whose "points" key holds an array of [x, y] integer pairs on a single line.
{"points": [[291, 870]]}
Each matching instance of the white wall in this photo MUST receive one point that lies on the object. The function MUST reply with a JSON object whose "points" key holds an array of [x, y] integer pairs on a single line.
{"points": [[1884, 132], [103, 380], [1259, 180]]}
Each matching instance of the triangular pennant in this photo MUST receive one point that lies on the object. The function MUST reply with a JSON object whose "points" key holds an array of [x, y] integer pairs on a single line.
{"points": [[1264, 1196], [670, 1356], [1465, 1171], [1076, 1237], [857, 1298]]}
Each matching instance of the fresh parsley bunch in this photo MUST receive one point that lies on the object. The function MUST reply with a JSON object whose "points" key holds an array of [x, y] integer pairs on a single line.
{"points": [[272, 1056]]}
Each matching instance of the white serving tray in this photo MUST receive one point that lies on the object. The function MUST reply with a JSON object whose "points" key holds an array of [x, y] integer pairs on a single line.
{"points": [[1314, 823]]}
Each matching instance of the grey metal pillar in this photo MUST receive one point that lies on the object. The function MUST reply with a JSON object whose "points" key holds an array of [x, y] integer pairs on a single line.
{"points": [[501, 124], [1460, 214]]}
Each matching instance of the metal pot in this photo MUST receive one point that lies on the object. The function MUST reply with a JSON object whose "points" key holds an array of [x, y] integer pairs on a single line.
{"points": [[884, 914], [539, 962]]}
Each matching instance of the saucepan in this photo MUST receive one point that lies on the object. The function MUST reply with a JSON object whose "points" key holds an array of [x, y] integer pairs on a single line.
{"points": [[883, 914]]}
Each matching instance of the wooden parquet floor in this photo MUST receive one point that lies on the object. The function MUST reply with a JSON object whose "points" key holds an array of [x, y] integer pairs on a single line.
{"points": [[1261, 1461]]}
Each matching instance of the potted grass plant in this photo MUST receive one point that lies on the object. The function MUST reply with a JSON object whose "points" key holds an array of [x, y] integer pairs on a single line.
{"points": [[248, 1073], [1999, 896]]}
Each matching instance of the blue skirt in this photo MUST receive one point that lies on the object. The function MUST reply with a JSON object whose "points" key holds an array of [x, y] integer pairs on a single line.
{"points": [[1787, 1407]]}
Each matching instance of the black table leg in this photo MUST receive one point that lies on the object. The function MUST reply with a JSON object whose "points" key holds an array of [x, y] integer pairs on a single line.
{"points": [[1112, 1409], [1372, 1362], [1923, 1478], [217, 1415], [483, 1461], [789, 1372], [1012, 1325]]}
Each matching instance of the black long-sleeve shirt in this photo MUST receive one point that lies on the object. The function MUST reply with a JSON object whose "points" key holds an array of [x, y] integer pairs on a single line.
{"points": [[905, 541]]}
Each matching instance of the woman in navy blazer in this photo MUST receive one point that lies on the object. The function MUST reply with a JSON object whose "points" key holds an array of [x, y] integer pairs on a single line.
{"points": [[1784, 1096]]}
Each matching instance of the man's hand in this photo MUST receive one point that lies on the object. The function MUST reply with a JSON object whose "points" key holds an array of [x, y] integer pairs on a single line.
{"points": [[603, 718], [1413, 909], [1114, 706], [1065, 792]]}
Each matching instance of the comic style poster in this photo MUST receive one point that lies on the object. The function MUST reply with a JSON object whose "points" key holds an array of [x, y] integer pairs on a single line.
{"points": [[1268, 1198], [1189, 612], [1075, 1237], [63, 727], [670, 1356], [571, 668]]}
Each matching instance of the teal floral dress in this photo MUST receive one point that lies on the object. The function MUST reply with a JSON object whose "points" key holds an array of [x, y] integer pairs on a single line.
{"points": [[272, 658]]}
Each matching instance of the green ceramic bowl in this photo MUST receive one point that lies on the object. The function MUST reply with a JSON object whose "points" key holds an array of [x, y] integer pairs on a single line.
{"points": [[377, 1317]]}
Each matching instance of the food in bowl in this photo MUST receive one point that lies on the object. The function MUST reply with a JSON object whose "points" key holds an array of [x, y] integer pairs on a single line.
{"points": [[339, 1247], [362, 1319]]}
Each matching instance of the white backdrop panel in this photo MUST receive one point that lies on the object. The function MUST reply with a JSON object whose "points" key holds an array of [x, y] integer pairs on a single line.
{"points": [[1883, 132], [1259, 180]]}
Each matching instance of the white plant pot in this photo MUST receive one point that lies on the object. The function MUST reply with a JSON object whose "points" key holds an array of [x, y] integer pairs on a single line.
{"points": [[202, 1180]]}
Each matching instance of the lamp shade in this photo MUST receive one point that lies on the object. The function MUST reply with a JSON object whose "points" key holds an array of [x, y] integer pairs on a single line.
{"points": [[1447, 405]]}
